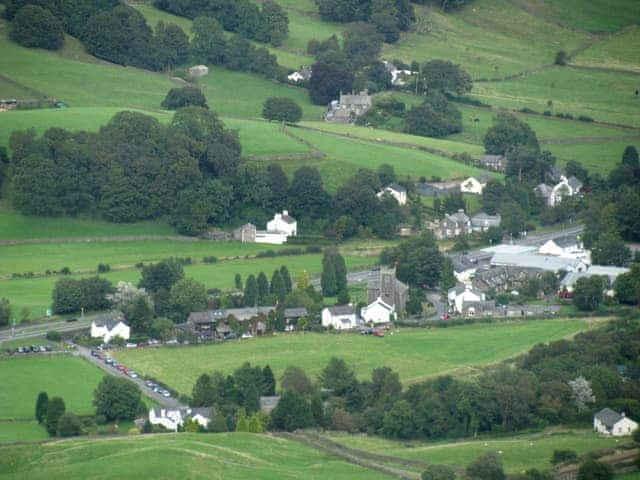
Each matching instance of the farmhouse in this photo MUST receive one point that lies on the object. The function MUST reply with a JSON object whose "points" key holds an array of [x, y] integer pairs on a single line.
{"points": [[608, 422], [568, 246], [465, 300], [481, 222], [171, 419], [388, 288], [302, 75], [246, 233], [378, 312], [398, 77], [553, 195], [497, 163], [340, 317], [281, 227], [528, 257], [475, 184], [396, 191], [108, 326], [452, 225], [348, 107], [283, 223], [199, 71]]}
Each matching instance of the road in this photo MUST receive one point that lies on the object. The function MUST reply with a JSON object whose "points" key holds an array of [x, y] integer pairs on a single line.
{"points": [[167, 402], [41, 329]]}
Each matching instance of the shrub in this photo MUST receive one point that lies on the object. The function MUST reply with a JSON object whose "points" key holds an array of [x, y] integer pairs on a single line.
{"points": [[36, 27], [560, 456], [594, 470], [561, 58], [184, 97], [103, 268], [69, 425], [585, 118], [210, 259], [53, 336], [438, 472], [282, 109]]}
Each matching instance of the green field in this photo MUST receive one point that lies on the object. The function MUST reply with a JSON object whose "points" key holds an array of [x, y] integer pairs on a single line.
{"points": [[15, 226], [617, 52], [21, 431], [69, 377], [414, 353], [34, 294], [234, 456], [518, 454], [597, 156]]}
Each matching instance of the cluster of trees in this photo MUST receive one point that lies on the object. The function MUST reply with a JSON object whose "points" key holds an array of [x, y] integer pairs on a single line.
{"points": [[36, 27], [418, 261], [259, 291], [267, 24], [52, 413], [117, 399], [233, 396], [281, 109], [562, 382], [436, 116], [612, 213], [189, 96], [5, 312], [333, 280], [627, 286], [389, 18], [71, 295]]}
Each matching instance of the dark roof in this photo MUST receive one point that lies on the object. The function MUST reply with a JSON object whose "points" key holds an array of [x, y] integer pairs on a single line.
{"points": [[608, 417], [296, 312], [109, 319], [288, 219], [202, 317], [574, 183], [205, 412], [492, 158], [397, 188], [555, 174], [342, 310], [484, 177]]}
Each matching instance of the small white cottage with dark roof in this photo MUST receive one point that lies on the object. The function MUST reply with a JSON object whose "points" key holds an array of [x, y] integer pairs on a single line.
{"points": [[396, 191], [608, 422]]}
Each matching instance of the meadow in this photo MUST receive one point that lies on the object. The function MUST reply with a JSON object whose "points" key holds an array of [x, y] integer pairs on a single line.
{"points": [[414, 353], [34, 294], [616, 52], [71, 378], [21, 431], [232, 456], [518, 453]]}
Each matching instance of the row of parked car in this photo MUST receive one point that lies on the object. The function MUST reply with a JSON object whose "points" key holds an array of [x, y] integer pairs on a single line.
{"points": [[33, 349], [129, 372]]}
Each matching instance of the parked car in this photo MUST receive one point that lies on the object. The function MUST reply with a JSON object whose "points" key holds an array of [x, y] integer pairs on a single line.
{"points": [[131, 345], [44, 349], [378, 333], [246, 335], [444, 316], [166, 394], [149, 384], [132, 374], [172, 342]]}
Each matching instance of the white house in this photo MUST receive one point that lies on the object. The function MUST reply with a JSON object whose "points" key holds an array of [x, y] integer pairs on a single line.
{"points": [[283, 223], [475, 184], [109, 327], [568, 247], [301, 75], [457, 296], [566, 187], [608, 422], [340, 317], [396, 191], [173, 418], [481, 222], [378, 312], [398, 77]]}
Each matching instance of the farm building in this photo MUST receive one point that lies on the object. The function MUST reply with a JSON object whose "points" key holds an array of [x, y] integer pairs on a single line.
{"points": [[396, 191], [340, 317], [475, 184], [173, 418], [378, 312], [348, 107], [481, 222], [109, 326], [199, 71]]}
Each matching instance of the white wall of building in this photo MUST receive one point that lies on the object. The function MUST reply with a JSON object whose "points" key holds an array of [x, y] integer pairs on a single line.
{"points": [[119, 330], [377, 312], [339, 322]]}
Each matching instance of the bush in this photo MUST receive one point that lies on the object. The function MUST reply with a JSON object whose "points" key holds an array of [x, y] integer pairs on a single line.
{"points": [[184, 97], [561, 58], [53, 336], [560, 456], [69, 425], [103, 268], [438, 472], [585, 118], [36, 27], [281, 109], [594, 470]]}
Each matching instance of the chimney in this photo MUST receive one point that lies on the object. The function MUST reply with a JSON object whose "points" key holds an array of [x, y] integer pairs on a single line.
{"points": [[285, 212]]}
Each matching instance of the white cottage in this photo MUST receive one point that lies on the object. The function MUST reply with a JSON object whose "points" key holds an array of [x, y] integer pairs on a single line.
{"points": [[283, 223], [396, 191], [108, 327], [378, 312], [475, 184], [173, 418], [340, 317], [608, 422]]}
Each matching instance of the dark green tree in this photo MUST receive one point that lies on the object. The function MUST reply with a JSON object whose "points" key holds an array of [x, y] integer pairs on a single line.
{"points": [[268, 382], [328, 277], [292, 412], [186, 296], [55, 410], [593, 470], [588, 293], [295, 379], [610, 249], [275, 22], [36, 27], [67, 296], [69, 425], [307, 195], [337, 376], [5, 312], [627, 286], [263, 287], [436, 117], [284, 272], [486, 467], [173, 44], [281, 109], [509, 132], [278, 287], [414, 303], [203, 393], [116, 398], [184, 97], [343, 297], [438, 472], [238, 281], [208, 42], [560, 456], [399, 421], [327, 81], [161, 275], [42, 404], [251, 291], [447, 276], [361, 44], [445, 76], [418, 261]]}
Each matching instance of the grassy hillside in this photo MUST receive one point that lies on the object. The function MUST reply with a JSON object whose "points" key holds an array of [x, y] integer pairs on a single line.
{"points": [[617, 52], [414, 353], [65, 376], [35, 294], [518, 454], [233, 456]]}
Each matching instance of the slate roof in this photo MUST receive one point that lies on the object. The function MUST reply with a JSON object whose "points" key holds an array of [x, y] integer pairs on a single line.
{"points": [[611, 272], [296, 312], [202, 411], [109, 320], [202, 317], [342, 310], [530, 260], [244, 313], [483, 178], [459, 217], [288, 218], [544, 190], [566, 241], [574, 183], [480, 218], [555, 174], [608, 417], [397, 188]]}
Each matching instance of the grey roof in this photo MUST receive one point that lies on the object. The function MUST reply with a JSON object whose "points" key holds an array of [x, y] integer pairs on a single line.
{"points": [[459, 217], [205, 412], [555, 174], [223, 328], [459, 288], [608, 417], [295, 312], [289, 219], [531, 260], [492, 158], [109, 319], [245, 313], [612, 273], [574, 183], [484, 177], [566, 241], [269, 402], [482, 217], [397, 188], [202, 317], [342, 310]]}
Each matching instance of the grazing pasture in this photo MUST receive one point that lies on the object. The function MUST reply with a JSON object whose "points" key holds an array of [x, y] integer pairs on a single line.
{"points": [[228, 456], [414, 353]]}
